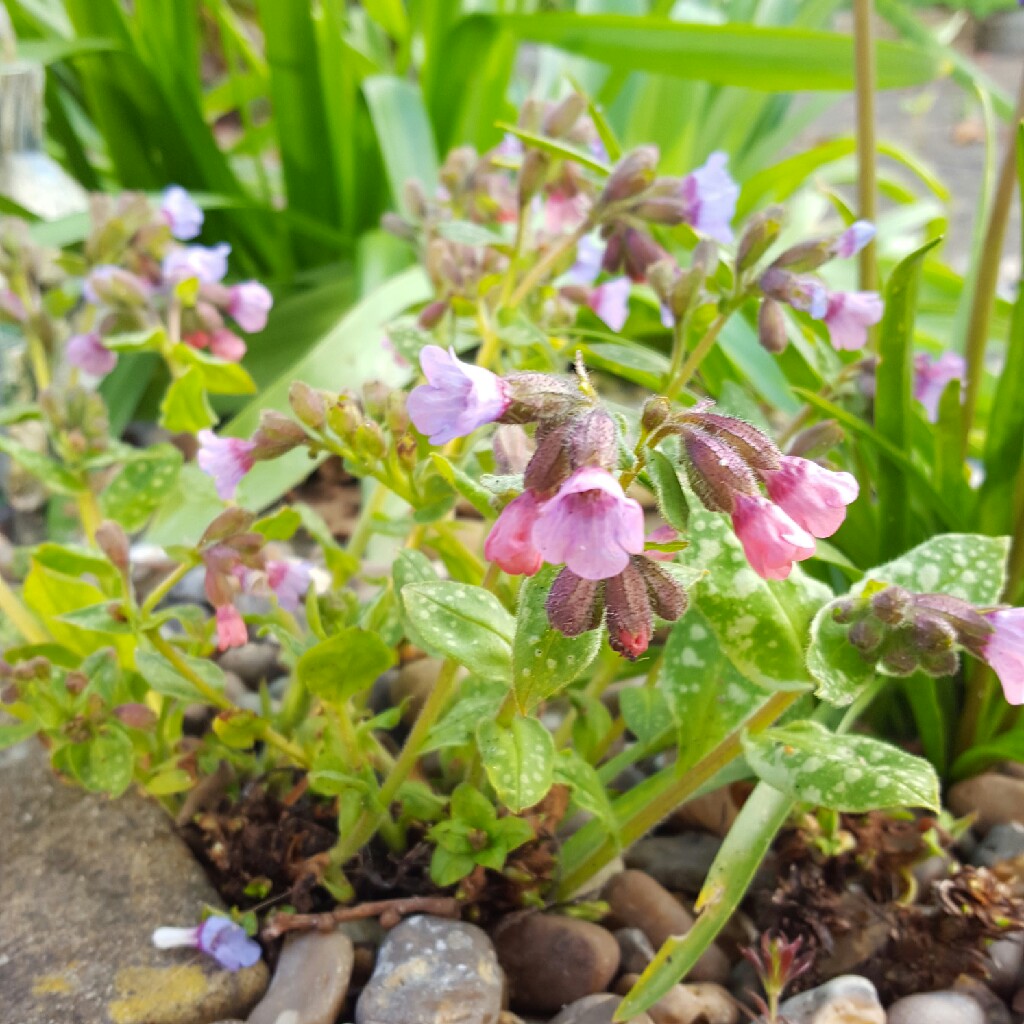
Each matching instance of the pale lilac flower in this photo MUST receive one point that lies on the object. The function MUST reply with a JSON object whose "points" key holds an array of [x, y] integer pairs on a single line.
{"points": [[510, 147], [590, 525], [848, 317], [809, 295], [181, 213], [457, 398], [931, 376], [227, 345], [289, 579], [1004, 651], [510, 544], [610, 301], [709, 194], [218, 937], [589, 255], [89, 354], [249, 304], [771, 540], [815, 498], [854, 238], [231, 631], [209, 265], [226, 459]]}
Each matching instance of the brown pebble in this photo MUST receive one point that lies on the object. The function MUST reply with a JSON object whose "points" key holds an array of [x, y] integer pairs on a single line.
{"points": [[995, 799], [596, 1009]]}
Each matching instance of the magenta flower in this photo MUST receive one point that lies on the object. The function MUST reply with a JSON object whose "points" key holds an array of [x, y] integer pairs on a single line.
{"points": [[218, 937], [457, 398], [610, 301], [89, 354], [848, 317], [854, 238], [226, 459], [590, 525], [710, 195], [289, 579], [1004, 651], [181, 213], [231, 631], [209, 265], [771, 540], [249, 304], [931, 376], [815, 498], [227, 345], [510, 544]]}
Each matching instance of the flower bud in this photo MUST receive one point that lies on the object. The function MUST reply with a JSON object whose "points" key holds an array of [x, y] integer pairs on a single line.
{"points": [[398, 226], [941, 664], [715, 471], [369, 441], [575, 605], [276, 435], [815, 441], [670, 210], [805, 256], [898, 661], [662, 277], [406, 451], [308, 404], [592, 440], [344, 418], [432, 314], [113, 542], [771, 326], [540, 396], [891, 605], [630, 621], [667, 598], [136, 716], [396, 416], [756, 449], [414, 198], [705, 257], [931, 634], [513, 449], [866, 635], [375, 398], [561, 118], [230, 522], [76, 682], [657, 410], [532, 173], [846, 610], [641, 252], [550, 464], [973, 630], [760, 234], [631, 176]]}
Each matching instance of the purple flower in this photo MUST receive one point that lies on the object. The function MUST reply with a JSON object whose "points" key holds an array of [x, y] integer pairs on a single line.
{"points": [[854, 238], [710, 195], [590, 525], [457, 398], [848, 317], [1004, 651], [289, 579], [231, 631], [89, 354], [589, 255], [610, 301], [181, 213], [226, 459], [510, 147], [815, 498], [218, 937], [249, 304], [931, 376], [209, 265], [510, 544], [771, 540]]}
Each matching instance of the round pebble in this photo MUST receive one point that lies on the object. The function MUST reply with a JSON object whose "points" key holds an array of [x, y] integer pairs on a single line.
{"points": [[936, 1008]]}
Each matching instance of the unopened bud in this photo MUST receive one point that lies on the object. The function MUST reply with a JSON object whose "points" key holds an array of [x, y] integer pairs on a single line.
{"points": [[640, 253], [369, 440], [136, 716], [561, 118], [973, 630], [633, 173], [662, 277], [817, 440], [344, 418], [375, 398], [396, 416], [771, 326], [846, 610], [414, 198], [592, 440], [867, 636], [230, 522], [705, 257], [668, 210], [753, 446], [761, 232], [550, 463], [540, 396], [432, 314], [398, 226], [940, 664], [308, 404], [276, 435], [715, 471], [406, 451], [930, 634], [113, 542], [628, 612], [575, 605], [532, 173], [657, 410], [899, 661], [76, 682], [805, 256], [891, 605], [667, 598]]}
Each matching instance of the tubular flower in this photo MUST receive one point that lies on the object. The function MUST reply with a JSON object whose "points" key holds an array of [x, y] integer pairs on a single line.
{"points": [[854, 238], [848, 317], [931, 376], [226, 459], [227, 345], [510, 543], [218, 937], [709, 195], [590, 525], [208, 265], [1004, 650], [231, 631], [815, 498], [249, 304], [457, 398], [610, 301], [289, 579], [771, 540], [181, 213], [89, 354]]}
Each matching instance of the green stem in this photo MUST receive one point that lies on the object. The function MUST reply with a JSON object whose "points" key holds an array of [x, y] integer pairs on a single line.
{"points": [[867, 171], [536, 273], [165, 586], [696, 357], [19, 616], [364, 528], [604, 675]]}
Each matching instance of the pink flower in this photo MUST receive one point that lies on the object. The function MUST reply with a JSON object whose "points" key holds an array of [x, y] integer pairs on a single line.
{"points": [[181, 213], [231, 631], [457, 398], [89, 354], [854, 238], [225, 344], [218, 937], [848, 317], [209, 265], [226, 459], [1004, 651], [931, 376], [590, 525], [289, 579], [249, 304], [771, 540], [610, 301], [510, 544], [815, 498], [564, 213], [710, 195]]}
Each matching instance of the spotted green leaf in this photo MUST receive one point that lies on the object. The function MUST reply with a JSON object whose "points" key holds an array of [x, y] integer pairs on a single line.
{"points": [[519, 760], [141, 486]]}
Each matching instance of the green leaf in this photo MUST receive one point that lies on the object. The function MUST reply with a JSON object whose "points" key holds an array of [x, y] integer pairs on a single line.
{"points": [[185, 407], [219, 376], [141, 486], [647, 712], [458, 726], [467, 624], [447, 868], [47, 471], [1007, 747], [545, 661], [581, 777], [479, 497], [345, 664], [671, 500], [519, 760], [13, 733], [239, 729], [102, 764], [279, 525], [160, 675], [97, 618], [151, 340], [844, 772]]}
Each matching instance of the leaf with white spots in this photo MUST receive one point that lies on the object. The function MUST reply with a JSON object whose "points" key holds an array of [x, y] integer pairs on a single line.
{"points": [[144, 482], [843, 772], [519, 760], [966, 566], [462, 622], [544, 660]]}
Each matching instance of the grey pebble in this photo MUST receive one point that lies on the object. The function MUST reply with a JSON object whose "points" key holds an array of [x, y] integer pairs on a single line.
{"points": [[936, 1008]]}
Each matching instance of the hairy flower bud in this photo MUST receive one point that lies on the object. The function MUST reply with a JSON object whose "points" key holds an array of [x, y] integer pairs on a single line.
{"points": [[973, 630], [756, 448], [715, 471], [761, 232], [230, 522], [630, 620], [668, 599], [891, 605], [532, 174], [276, 435], [806, 256], [369, 441], [846, 610], [414, 197], [540, 396], [395, 224], [592, 440], [136, 716], [308, 404], [113, 542], [641, 252], [771, 326], [897, 660], [563, 115], [815, 441], [668, 210], [375, 398], [657, 410], [941, 664], [930, 634], [575, 605], [344, 418], [633, 174], [432, 314], [867, 636], [551, 462]]}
